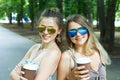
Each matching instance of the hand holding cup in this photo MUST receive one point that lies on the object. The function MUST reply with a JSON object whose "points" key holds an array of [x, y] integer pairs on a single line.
{"points": [[83, 67], [30, 70]]}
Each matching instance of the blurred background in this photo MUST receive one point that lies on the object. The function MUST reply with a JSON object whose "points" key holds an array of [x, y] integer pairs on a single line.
{"points": [[103, 14], [21, 16]]}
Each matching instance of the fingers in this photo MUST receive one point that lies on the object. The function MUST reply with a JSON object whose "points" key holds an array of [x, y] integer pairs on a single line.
{"points": [[80, 72], [18, 67], [81, 68], [77, 70], [22, 72], [22, 78], [82, 76], [18, 70]]}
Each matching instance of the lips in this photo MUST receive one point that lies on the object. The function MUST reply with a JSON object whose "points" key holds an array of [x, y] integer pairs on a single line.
{"points": [[45, 37], [79, 38]]}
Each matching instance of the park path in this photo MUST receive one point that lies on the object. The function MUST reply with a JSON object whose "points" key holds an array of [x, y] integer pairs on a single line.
{"points": [[13, 47]]}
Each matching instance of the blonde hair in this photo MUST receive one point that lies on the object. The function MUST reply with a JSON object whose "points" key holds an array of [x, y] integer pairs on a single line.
{"points": [[92, 42]]}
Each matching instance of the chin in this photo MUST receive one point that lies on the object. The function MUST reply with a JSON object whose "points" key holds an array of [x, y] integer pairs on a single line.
{"points": [[46, 41], [81, 43]]}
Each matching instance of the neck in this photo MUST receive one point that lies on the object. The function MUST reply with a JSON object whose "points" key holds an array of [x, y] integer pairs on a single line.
{"points": [[47, 45], [79, 48]]}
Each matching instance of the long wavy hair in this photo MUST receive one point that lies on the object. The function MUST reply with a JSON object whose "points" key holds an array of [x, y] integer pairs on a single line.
{"points": [[92, 42]]}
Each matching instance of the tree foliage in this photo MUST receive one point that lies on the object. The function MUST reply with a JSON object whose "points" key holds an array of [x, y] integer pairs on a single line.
{"points": [[104, 11]]}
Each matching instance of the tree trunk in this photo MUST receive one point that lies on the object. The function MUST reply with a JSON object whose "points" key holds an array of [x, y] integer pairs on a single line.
{"points": [[20, 15], [31, 10], [10, 18], [19, 20], [59, 4], [101, 19], [110, 18]]}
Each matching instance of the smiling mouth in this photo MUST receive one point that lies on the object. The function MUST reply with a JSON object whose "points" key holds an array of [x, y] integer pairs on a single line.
{"points": [[79, 38], [45, 37]]}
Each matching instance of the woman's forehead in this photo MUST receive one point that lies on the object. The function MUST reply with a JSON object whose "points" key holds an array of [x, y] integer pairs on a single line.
{"points": [[48, 22], [74, 25]]}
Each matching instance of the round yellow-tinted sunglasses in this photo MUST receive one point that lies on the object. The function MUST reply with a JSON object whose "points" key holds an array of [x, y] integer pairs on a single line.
{"points": [[50, 29]]}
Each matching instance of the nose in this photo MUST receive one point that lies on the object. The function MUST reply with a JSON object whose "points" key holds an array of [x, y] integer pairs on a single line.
{"points": [[78, 33], [46, 31]]}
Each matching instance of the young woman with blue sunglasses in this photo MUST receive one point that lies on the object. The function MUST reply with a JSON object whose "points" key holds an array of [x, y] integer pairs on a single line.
{"points": [[82, 43]]}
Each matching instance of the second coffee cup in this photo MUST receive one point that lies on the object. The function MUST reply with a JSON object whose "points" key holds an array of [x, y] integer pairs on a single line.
{"points": [[84, 62]]}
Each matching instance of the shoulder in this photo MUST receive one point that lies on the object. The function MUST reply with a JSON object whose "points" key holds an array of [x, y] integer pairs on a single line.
{"points": [[95, 53], [55, 53], [66, 56], [36, 45], [65, 62]]}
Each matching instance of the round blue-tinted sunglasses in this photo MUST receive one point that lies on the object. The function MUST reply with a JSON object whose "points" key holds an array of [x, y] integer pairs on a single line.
{"points": [[73, 32]]}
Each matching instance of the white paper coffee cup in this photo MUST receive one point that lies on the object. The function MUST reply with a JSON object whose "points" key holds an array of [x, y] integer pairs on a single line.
{"points": [[30, 71], [84, 62]]}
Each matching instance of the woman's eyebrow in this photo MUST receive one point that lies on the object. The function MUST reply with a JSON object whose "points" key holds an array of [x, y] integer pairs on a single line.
{"points": [[42, 25], [46, 26]]}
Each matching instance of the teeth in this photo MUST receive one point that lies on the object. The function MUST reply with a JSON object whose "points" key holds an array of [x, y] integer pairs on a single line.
{"points": [[79, 38], [45, 37]]}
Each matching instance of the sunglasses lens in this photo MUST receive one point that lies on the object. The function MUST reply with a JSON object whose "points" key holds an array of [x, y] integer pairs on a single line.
{"points": [[51, 30], [82, 30], [41, 28], [72, 32]]}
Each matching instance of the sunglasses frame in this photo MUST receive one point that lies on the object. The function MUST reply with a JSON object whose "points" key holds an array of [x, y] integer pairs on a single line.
{"points": [[50, 29], [73, 32]]}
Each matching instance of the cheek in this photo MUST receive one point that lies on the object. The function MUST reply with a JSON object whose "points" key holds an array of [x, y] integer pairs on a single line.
{"points": [[55, 35], [87, 36], [40, 34], [72, 40], [82, 41]]}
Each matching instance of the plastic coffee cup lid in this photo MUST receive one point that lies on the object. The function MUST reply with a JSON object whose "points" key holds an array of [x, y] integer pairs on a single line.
{"points": [[83, 60], [30, 66]]}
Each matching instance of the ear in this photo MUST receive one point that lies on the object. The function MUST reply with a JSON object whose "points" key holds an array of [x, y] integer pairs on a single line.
{"points": [[60, 30]]}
